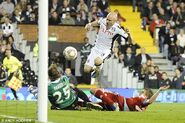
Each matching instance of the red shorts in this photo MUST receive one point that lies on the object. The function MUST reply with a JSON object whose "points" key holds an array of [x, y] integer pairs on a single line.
{"points": [[116, 98]]}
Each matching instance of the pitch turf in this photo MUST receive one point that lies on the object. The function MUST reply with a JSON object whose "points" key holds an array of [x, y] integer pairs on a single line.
{"points": [[156, 113]]}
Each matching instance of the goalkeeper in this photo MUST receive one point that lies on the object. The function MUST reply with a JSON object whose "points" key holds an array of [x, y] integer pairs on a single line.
{"points": [[61, 94]]}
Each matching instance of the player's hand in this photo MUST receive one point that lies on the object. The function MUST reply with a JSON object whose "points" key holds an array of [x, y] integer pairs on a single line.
{"points": [[72, 85], [127, 30], [138, 108], [88, 26], [164, 88]]}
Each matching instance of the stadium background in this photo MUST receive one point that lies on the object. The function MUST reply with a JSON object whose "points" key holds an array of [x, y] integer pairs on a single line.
{"points": [[61, 35]]}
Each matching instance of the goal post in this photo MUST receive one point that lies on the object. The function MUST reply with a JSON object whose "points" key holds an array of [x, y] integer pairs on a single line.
{"points": [[43, 61]]}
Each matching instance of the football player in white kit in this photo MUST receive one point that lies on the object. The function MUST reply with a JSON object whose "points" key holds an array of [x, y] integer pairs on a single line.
{"points": [[108, 28]]}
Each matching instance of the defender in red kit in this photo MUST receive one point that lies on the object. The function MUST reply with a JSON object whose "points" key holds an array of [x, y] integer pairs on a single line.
{"points": [[115, 102]]}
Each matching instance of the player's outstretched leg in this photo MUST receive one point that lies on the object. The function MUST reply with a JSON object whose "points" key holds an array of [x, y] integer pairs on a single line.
{"points": [[96, 73], [82, 96]]}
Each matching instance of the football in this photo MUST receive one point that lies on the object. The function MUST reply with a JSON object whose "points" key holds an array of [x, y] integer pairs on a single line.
{"points": [[70, 53]]}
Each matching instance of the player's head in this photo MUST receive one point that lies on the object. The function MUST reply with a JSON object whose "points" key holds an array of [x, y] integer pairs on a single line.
{"points": [[112, 18], [148, 93], [53, 72]]}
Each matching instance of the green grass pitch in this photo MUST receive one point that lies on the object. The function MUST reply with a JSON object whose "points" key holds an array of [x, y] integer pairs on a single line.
{"points": [[156, 113]]}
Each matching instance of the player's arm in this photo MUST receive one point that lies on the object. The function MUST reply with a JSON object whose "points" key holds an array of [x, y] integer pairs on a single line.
{"points": [[72, 85], [4, 64], [153, 98], [92, 24], [138, 108], [128, 32], [124, 33]]}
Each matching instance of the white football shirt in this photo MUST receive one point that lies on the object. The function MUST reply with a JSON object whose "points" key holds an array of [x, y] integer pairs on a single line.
{"points": [[105, 36]]}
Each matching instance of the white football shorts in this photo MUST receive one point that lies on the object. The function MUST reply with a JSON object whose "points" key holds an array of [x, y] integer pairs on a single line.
{"points": [[95, 52]]}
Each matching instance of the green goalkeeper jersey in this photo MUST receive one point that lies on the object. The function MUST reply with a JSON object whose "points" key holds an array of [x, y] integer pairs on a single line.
{"points": [[60, 94]]}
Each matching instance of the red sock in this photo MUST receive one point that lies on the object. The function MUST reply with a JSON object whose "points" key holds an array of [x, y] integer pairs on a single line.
{"points": [[105, 99]]}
